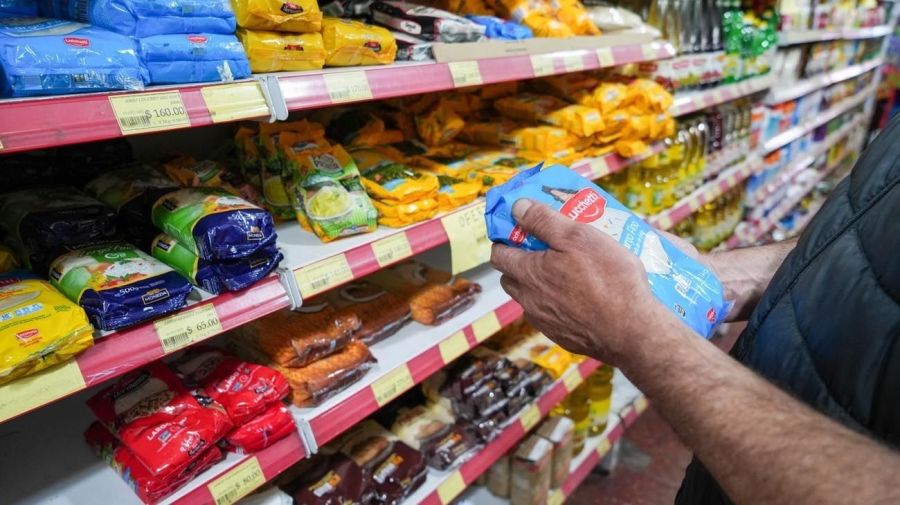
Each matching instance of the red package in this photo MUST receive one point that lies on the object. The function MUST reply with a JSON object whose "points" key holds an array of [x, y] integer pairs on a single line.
{"points": [[148, 487], [158, 420], [261, 431], [244, 389]]}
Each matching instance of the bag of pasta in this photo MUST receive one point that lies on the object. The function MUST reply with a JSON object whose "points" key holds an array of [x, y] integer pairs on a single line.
{"points": [[396, 183], [351, 43], [528, 107], [274, 51], [398, 215], [456, 192], [299, 16], [577, 119], [607, 97], [439, 124]]}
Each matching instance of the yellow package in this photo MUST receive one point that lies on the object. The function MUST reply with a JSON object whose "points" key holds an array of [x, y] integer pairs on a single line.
{"points": [[517, 10], [404, 214], [350, 43], [298, 16], [368, 158], [578, 119], [608, 97], [487, 134], [573, 87], [493, 175], [522, 344], [475, 7], [547, 26], [637, 127], [529, 107], [395, 183], [439, 124], [614, 123], [399, 120], [573, 14], [456, 192], [275, 52], [542, 139], [629, 148], [647, 96], [39, 326], [417, 104], [355, 128], [187, 171], [246, 146], [498, 90], [464, 104], [279, 141]]}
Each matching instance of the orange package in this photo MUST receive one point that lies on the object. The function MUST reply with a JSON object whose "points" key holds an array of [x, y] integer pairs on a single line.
{"points": [[322, 379], [433, 295]]}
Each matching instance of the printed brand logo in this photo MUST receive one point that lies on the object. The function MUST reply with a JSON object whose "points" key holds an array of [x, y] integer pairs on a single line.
{"points": [[254, 233], [711, 315], [164, 245], [517, 235], [77, 41], [373, 45], [197, 39], [586, 206], [291, 8], [154, 295], [27, 336], [293, 47]]}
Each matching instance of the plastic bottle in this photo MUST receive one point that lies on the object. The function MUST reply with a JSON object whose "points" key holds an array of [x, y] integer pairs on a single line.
{"points": [[577, 406], [600, 392]]}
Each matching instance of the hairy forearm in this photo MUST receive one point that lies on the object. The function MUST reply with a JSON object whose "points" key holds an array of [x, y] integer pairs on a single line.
{"points": [[760, 444], [745, 273]]}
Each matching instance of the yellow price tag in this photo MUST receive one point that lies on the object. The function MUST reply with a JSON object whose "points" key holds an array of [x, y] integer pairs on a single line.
{"points": [[391, 249], [452, 487], [230, 102], [149, 112], [485, 326], [710, 194], [603, 447], [184, 328], [237, 483], [605, 56], [530, 417], [392, 385], [465, 73], [453, 347], [599, 167], [664, 222], [573, 62], [717, 96], [640, 404], [556, 497], [469, 244], [572, 380], [542, 64], [43, 387], [649, 51], [322, 275], [347, 86]]}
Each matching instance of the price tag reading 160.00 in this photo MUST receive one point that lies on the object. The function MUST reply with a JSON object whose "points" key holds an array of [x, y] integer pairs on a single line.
{"points": [[188, 327], [148, 112]]}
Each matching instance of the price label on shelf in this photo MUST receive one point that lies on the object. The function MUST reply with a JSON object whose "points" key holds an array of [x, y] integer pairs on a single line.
{"points": [[603, 447], [605, 57], [26, 393], [649, 52], [392, 385], [485, 326], [322, 275], [530, 417], [573, 62], [230, 102], [185, 328], [717, 96], [556, 497], [469, 244], [664, 222], [572, 380], [542, 64], [149, 112], [347, 86], [453, 347], [599, 167], [237, 483], [452, 487], [391, 249], [465, 73]]}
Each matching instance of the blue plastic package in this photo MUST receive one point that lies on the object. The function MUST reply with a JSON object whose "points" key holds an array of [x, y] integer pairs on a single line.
{"points": [[178, 59], [143, 18], [682, 284], [501, 29], [18, 8], [53, 57]]}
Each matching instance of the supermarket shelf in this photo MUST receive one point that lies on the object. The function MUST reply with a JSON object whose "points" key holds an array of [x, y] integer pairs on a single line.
{"points": [[791, 37], [792, 134], [118, 352], [783, 94], [687, 103]]}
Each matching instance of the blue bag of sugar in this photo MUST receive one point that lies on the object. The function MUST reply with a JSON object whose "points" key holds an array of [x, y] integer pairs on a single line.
{"points": [[143, 18], [185, 58], [683, 285]]}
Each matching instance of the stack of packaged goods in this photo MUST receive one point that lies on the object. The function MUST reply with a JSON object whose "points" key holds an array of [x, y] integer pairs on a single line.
{"points": [[714, 222], [831, 14], [181, 41], [542, 18], [160, 427], [809, 60]]}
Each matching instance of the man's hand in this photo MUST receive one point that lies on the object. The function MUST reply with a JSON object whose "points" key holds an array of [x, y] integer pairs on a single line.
{"points": [[586, 292]]}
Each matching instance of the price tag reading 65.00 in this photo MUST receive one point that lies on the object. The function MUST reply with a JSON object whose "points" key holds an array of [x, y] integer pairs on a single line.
{"points": [[149, 112], [469, 244], [187, 327]]}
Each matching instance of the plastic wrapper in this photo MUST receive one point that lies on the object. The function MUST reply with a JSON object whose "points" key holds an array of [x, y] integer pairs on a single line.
{"points": [[39, 327], [42, 223], [522, 345], [188, 171], [573, 14], [433, 295], [381, 313], [214, 224], [329, 195], [148, 487], [569, 87], [444, 443], [609, 18], [426, 23], [456, 192], [278, 143], [118, 285], [301, 16], [333, 480], [530, 470], [200, 57], [18, 8], [396, 183], [374, 158], [467, 105], [351, 43], [543, 139], [215, 276], [630, 148], [439, 124], [158, 419], [398, 215], [410, 48], [355, 128], [528, 107], [489, 133], [546, 26], [683, 285], [648, 96], [270, 426], [496, 28], [140, 18], [275, 52], [245, 390], [320, 380], [498, 477], [607, 97], [576, 119]]}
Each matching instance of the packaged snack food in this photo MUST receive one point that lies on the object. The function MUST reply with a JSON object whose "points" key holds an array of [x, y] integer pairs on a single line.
{"points": [[158, 420], [573, 14], [277, 142], [39, 327], [189, 171], [74, 58], [558, 431], [275, 51], [648, 96], [214, 224], [438, 124], [302, 16], [424, 22], [498, 90], [528, 107], [398, 215], [381, 313], [433, 295], [444, 443], [118, 285], [351, 43], [527, 345], [395, 183], [333, 480], [543, 139], [683, 285], [263, 430], [455, 192], [530, 469], [143, 19], [198, 57], [318, 381], [607, 97], [490, 133], [568, 87], [148, 487], [355, 128], [577, 119], [466, 104], [243, 389]]}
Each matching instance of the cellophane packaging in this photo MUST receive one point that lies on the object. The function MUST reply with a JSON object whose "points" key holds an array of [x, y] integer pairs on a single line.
{"points": [[683, 285], [143, 18], [273, 424], [197, 57]]}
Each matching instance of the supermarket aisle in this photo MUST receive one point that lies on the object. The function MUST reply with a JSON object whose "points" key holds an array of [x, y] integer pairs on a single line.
{"points": [[649, 472]]}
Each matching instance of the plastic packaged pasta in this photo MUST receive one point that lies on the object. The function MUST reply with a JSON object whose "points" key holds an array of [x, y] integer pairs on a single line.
{"points": [[396, 183], [277, 143], [275, 52], [398, 215], [528, 107], [683, 285], [351, 43], [270, 426], [576, 119], [39, 327], [426, 23], [381, 313], [139, 18], [455, 192], [301, 16], [198, 57], [438, 124]]}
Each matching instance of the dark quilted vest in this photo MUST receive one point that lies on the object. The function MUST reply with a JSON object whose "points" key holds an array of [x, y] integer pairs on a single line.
{"points": [[828, 326]]}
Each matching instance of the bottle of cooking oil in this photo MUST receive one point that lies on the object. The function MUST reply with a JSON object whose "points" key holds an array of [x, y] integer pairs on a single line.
{"points": [[651, 190], [600, 391], [577, 406], [634, 187]]}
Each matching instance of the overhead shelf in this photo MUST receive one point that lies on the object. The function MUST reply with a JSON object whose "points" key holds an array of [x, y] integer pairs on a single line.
{"points": [[791, 37], [784, 93]]}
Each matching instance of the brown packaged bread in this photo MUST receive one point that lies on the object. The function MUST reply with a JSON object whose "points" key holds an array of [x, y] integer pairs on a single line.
{"points": [[381, 312], [314, 383], [530, 472], [433, 295], [559, 432]]}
